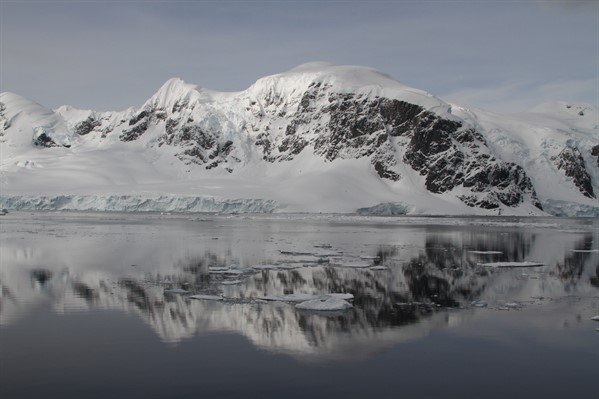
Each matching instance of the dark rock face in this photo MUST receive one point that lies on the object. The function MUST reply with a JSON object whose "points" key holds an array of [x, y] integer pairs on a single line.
{"points": [[200, 146], [86, 126], [134, 132], [595, 152], [3, 120], [572, 163], [139, 124], [348, 126], [43, 140], [447, 154], [41, 276]]}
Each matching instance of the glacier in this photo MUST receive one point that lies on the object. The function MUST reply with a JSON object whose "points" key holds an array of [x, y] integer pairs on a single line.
{"points": [[136, 203]]}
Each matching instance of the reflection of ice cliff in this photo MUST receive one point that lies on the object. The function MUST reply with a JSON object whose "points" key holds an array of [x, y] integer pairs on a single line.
{"points": [[418, 292]]}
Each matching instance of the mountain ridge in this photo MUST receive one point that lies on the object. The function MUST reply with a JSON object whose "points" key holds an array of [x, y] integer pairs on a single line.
{"points": [[332, 129]]}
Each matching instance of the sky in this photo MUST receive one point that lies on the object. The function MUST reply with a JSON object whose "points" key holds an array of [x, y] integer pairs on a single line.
{"points": [[502, 55]]}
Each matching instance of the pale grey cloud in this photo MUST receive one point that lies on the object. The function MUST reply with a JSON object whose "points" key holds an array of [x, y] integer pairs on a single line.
{"points": [[111, 55], [509, 97]]}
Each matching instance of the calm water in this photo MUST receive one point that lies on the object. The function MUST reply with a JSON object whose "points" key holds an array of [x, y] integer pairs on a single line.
{"points": [[87, 308]]}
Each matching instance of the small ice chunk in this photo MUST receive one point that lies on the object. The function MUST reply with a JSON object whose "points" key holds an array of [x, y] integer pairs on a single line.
{"points": [[369, 257], [289, 266], [231, 282], [296, 253], [217, 269], [355, 265], [233, 272], [512, 264], [175, 291], [327, 254], [304, 297], [595, 318], [512, 305], [379, 268], [288, 298], [264, 267], [479, 304], [207, 297], [486, 252], [326, 303], [346, 297], [584, 250]]}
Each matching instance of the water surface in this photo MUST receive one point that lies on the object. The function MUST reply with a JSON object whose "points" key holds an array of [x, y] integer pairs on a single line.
{"points": [[89, 306]]}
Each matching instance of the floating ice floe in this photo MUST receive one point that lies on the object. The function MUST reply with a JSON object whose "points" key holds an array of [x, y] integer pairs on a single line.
{"points": [[207, 297], [327, 254], [175, 291], [511, 264], [226, 271], [296, 253], [217, 269], [479, 304], [304, 297], [486, 252], [313, 259], [327, 246], [584, 250], [231, 282], [326, 303], [264, 267], [379, 268], [369, 257], [354, 265]]}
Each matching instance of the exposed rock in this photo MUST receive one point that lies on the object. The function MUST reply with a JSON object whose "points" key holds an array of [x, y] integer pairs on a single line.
{"points": [[43, 140], [595, 152], [86, 126], [572, 163], [134, 132], [3, 120]]}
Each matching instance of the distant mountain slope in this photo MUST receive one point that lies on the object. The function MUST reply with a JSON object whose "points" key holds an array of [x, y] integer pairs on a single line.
{"points": [[319, 138]]}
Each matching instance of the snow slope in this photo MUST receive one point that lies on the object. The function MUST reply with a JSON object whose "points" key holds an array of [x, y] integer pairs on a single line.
{"points": [[318, 138]]}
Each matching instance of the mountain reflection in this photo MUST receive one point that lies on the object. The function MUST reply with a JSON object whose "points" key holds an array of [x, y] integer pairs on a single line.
{"points": [[422, 282]]}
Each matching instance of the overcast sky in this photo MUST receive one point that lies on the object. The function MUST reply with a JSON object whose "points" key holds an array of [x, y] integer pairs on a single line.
{"points": [[501, 55]]}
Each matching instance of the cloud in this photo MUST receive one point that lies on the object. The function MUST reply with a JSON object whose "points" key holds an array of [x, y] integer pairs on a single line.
{"points": [[519, 96], [111, 56]]}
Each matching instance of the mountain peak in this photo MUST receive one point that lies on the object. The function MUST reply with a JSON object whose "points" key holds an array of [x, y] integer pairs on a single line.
{"points": [[173, 90]]}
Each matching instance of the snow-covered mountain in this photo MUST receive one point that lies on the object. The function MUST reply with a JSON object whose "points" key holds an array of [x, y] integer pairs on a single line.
{"points": [[318, 138]]}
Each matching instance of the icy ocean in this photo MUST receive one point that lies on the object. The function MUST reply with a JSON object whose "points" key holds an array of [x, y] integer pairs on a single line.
{"points": [[144, 305]]}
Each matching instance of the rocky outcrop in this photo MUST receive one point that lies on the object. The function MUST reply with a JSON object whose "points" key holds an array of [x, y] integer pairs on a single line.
{"points": [[3, 120], [595, 153], [571, 162], [86, 126], [42, 139]]}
